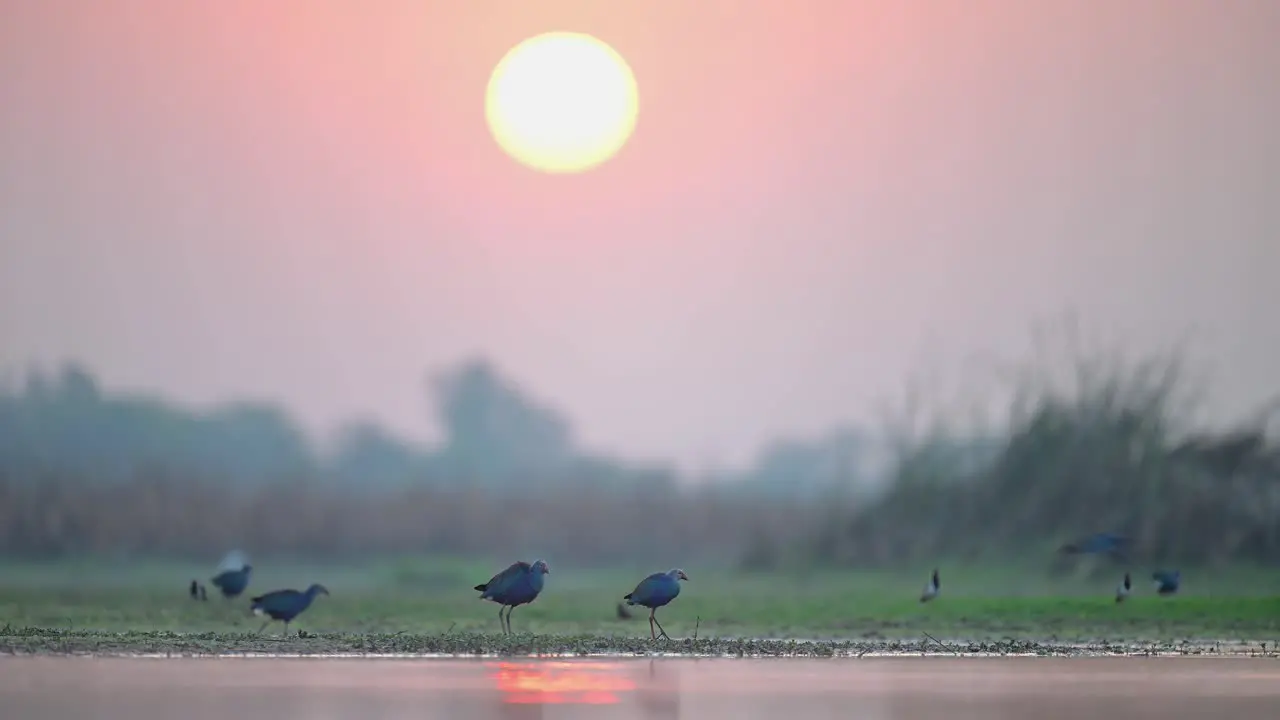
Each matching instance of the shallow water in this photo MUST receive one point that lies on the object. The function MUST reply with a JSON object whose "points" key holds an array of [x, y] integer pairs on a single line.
{"points": [[902, 688]]}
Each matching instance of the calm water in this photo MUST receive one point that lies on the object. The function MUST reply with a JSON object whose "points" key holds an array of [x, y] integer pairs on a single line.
{"points": [[870, 689]]}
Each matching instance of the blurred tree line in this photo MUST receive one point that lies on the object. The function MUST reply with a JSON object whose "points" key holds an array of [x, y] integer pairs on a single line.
{"points": [[83, 471], [495, 437]]}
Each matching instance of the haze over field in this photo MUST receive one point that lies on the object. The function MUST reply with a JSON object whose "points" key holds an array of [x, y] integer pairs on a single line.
{"points": [[300, 202]]}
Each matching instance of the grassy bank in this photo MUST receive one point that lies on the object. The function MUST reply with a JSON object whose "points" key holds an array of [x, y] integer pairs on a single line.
{"points": [[412, 606], [35, 641]]}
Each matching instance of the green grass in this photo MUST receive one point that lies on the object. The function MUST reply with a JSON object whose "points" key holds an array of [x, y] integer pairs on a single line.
{"points": [[428, 606]]}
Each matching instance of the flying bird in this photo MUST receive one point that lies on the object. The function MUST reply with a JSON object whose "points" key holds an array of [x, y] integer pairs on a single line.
{"points": [[1123, 589], [518, 585], [284, 605], [654, 592], [1103, 543], [1166, 582], [932, 588]]}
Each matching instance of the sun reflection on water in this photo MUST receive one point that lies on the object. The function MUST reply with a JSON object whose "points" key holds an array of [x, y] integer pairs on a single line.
{"points": [[555, 683]]}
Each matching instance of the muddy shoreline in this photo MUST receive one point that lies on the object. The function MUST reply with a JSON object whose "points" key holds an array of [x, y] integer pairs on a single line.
{"points": [[53, 642]]}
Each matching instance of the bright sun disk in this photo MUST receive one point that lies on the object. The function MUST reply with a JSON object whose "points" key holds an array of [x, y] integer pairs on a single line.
{"points": [[562, 102]]}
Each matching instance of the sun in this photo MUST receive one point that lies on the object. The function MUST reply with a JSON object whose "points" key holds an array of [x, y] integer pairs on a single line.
{"points": [[562, 102]]}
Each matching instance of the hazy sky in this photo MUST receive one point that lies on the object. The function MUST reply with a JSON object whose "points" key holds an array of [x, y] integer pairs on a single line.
{"points": [[299, 200]]}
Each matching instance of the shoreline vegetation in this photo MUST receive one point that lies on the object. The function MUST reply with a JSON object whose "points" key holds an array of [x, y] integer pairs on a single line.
{"points": [[43, 642], [145, 609], [1091, 442], [1097, 444]]}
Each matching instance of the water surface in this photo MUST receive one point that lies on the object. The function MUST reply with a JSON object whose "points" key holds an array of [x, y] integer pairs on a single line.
{"points": [[905, 688]]}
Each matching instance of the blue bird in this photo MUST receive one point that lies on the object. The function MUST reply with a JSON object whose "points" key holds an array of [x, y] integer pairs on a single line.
{"points": [[284, 605], [932, 589], [1123, 589], [518, 585], [232, 582], [1102, 543], [1166, 582], [655, 591]]}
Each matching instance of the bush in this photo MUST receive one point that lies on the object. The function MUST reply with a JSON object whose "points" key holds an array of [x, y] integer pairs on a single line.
{"points": [[1108, 449]]}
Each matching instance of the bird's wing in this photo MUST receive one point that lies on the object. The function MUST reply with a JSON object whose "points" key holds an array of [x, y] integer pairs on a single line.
{"points": [[233, 561], [274, 596], [504, 579], [647, 586]]}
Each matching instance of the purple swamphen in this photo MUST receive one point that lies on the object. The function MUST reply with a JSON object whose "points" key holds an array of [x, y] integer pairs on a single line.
{"points": [[1167, 582], [655, 591], [1103, 543], [1124, 588], [518, 585], [232, 582], [284, 605], [931, 589]]}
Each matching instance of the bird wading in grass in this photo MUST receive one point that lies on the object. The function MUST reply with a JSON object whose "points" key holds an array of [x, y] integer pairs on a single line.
{"points": [[284, 605], [518, 585], [655, 591], [1124, 588], [1167, 582], [932, 588], [233, 574], [232, 582]]}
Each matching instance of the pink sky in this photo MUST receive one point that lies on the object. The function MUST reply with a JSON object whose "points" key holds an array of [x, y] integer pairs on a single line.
{"points": [[300, 201]]}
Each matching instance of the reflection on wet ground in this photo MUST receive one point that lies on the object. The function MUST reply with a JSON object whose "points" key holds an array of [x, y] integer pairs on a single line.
{"points": [[41, 688]]}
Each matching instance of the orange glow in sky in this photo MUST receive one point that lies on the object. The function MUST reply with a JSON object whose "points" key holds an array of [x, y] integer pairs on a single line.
{"points": [[821, 203]]}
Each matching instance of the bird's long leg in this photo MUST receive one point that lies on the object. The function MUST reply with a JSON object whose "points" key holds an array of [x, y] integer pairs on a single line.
{"points": [[286, 629], [652, 635], [655, 622], [509, 611], [264, 627], [502, 621]]}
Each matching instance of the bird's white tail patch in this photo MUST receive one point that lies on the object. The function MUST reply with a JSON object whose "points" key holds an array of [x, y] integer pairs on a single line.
{"points": [[258, 611]]}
